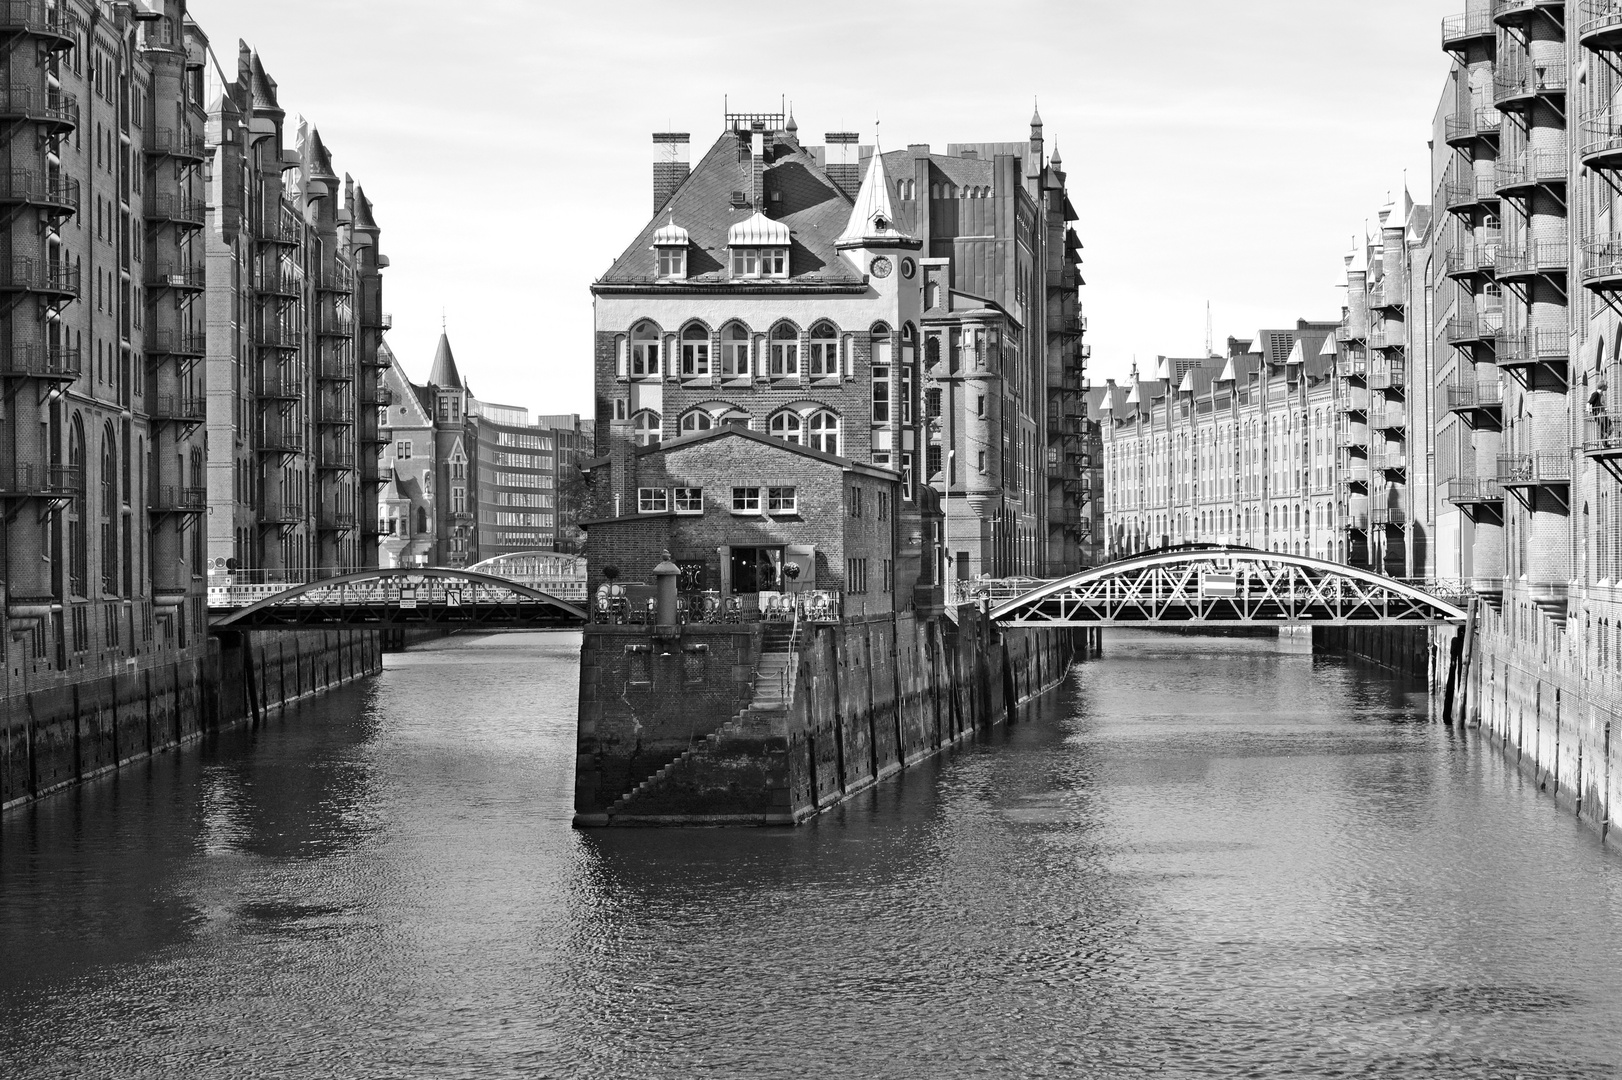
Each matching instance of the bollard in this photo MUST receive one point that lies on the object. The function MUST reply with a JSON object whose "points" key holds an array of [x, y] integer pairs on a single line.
{"points": [[664, 577]]}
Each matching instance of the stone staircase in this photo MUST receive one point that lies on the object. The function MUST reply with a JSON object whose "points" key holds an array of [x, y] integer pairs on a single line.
{"points": [[774, 675]]}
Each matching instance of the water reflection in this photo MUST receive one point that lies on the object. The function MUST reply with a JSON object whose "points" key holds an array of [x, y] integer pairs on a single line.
{"points": [[1202, 858]]}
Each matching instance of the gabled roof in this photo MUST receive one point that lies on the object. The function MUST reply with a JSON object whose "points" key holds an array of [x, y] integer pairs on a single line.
{"points": [[798, 194], [444, 374], [728, 432]]}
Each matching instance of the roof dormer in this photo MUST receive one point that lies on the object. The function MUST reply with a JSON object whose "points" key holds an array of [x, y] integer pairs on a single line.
{"points": [[759, 247], [670, 251]]}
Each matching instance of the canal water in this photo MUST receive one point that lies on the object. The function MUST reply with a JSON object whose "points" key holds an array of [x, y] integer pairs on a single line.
{"points": [[1201, 858]]}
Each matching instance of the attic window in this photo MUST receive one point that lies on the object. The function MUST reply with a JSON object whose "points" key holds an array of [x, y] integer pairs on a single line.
{"points": [[672, 262], [750, 262]]}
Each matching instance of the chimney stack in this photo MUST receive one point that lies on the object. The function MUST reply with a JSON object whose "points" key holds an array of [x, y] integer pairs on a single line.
{"points": [[671, 164]]}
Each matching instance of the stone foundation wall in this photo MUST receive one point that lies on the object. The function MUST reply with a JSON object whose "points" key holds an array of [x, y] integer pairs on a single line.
{"points": [[871, 697], [56, 737]]}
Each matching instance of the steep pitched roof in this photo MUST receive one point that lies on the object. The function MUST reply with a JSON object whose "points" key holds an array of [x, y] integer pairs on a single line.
{"points": [[872, 218], [671, 446], [444, 373], [798, 193]]}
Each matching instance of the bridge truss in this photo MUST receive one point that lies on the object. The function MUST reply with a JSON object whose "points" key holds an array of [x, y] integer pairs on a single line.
{"points": [[389, 597], [1219, 586]]}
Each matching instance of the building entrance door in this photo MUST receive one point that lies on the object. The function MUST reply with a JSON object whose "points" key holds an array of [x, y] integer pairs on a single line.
{"points": [[756, 569]]}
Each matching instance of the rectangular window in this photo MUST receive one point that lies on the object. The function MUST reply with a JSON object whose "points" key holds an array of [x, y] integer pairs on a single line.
{"points": [[906, 476], [672, 262], [620, 366], [745, 500], [774, 262], [458, 500], [735, 357], [932, 461], [855, 502], [619, 409], [688, 500], [889, 575], [884, 506], [785, 357], [933, 397], [781, 500], [644, 358], [695, 358], [881, 395], [402, 450], [745, 262], [824, 357], [652, 500]]}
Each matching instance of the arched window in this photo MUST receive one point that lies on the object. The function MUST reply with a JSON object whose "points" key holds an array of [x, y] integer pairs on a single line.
{"points": [[695, 350], [422, 521], [78, 552], [785, 351], [786, 426], [109, 510], [734, 352], [696, 420], [932, 296], [645, 428], [823, 432], [644, 350], [824, 350], [908, 333]]}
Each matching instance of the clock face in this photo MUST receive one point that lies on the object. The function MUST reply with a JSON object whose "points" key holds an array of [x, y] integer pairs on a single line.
{"points": [[908, 268], [880, 266]]}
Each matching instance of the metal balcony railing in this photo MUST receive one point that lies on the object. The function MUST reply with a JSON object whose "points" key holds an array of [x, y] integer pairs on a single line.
{"points": [[334, 459], [335, 324], [1533, 168], [1518, 78], [1389, 462], [1533, 347], [23, 274], [40, 362], [1540, 257], [177, 342], [1458, 31], [34, 17], [281, 513], [1356, 521], [273, 336], [335, 520], [1355, 400], [278, 228], [1483, 328], [1468, 260], [180, 209], [1354, 366], [341, 282], [39, 187], [1390, 517], [336, 369], [1466, 195], [1602, 436], [178, 408], [1392, 375], [1599, 25], [1389, 337], [175, 276], [1468, 125], [1390, 418], [1602, 263], [335, 413], [382, 397], [1480, 490], [1469, 397], [1356, 437], [279, 282], [25, 480], [1537, 468], [282, 440], [1385, 294], [175, 142], [49, 107], [171, 499]]}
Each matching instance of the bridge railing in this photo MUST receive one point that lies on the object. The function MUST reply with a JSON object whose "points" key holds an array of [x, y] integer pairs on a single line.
{"points": [[999, 590], [242, 588]]}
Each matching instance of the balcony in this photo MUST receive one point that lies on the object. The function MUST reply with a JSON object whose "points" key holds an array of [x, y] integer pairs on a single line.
{"points": [[1599, 25], [332, 459], [1356, 521], [1601, 143], [280, 229], [1472, 261], [280, 282], [23, 480], [335, 324], [1520, 12], [1390, 418], [56, 282], [376, 320], [1355, 473], [1538, 258], [1471, 125], [1459, 32], [1387, 296], [375, 358], [283, 514], [182, 210], [1482, 491], [1602, 437], [1533, 348], [1519, 80], [48, 364], [1389, 337], [1346, 335], [335, 414], [1464, 197], [1532, 170], [1355, 399], [1355, 438], [54, 110], [1355, 366], [274, 336], [1389, 376], [382, 397], [1476, 400], [1389, 517], [1391, 463], [50, 24], [1485, 328], [335, 520], [178, 409], [337, 282], [181, 143], [177, 342], [1540, 468], [278, 386], [173, 276], [1602, 264], [370, 436], [56, 195], [281, 440], [336, 369], [170, 499]]}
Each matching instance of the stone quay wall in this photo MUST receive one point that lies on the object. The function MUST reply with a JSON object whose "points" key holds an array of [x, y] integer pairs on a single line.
{"points": [[676, 734], [1403, 649], [55, 737]]}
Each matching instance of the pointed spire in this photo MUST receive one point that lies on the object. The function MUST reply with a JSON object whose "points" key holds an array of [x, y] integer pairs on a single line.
{"points": [[872, 218], [1058, 162], [444, 374], [1036, 115]]}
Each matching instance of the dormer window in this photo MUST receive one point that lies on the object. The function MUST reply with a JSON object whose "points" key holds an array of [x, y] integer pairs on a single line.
{"points": [[759, 247], [670, 251]]}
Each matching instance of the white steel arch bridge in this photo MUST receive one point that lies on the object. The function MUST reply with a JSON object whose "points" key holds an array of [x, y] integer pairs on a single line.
{"points": [[400, 596], [1199, 585]]}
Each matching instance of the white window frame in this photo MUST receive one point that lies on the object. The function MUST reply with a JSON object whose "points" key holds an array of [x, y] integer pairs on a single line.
{"points": [[687, 500], [652, 500], [782, 500], [882, 410], [787, 416], [672, 262], [645, 357], [746, 501], [696, 420], [695, 355], [785, 353], [831, 429], [824, 353], [735, 353]]}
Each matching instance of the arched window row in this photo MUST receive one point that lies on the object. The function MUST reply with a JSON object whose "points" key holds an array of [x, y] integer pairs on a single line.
{"points": [[952, 191], [785, 350], [811, 425]]}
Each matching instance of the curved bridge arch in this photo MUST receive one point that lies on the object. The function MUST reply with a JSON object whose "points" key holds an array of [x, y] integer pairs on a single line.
{"points": [[392, 596], [1224, 586]]}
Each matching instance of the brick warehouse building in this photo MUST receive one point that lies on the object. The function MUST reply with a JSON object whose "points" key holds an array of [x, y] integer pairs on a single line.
{"points": [[782, 288]]}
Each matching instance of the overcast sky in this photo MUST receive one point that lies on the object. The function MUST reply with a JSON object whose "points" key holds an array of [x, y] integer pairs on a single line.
{"points": [[1221, 152]]}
